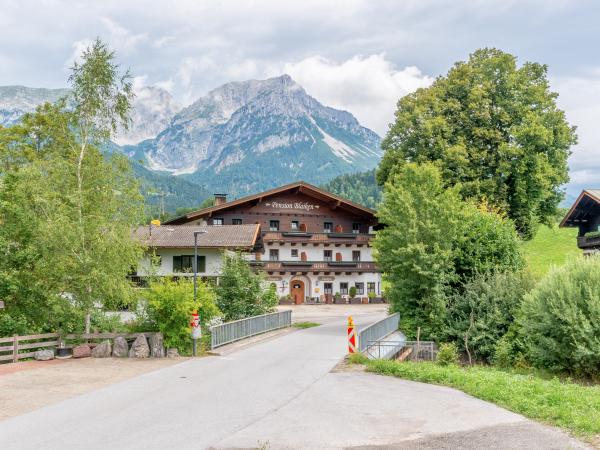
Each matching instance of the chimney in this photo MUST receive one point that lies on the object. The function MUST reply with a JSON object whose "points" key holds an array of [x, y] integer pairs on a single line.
{"points": [[220, 199]]}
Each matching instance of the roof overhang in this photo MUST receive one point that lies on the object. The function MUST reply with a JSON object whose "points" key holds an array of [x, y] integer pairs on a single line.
{"points": [[587, 205]]}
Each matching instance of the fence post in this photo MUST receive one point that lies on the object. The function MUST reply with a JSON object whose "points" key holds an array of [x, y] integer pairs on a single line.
{"points": [[15, 348]]}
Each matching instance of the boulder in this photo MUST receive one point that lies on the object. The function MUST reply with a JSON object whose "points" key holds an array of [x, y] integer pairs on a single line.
{"points": [[139, 348], [120, 347], [43, 355], [157, 347], [82, 351], [102, 350], [172, 353]]}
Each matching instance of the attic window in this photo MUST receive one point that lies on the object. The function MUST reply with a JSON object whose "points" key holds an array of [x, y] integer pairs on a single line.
{"points": [[217, 222]]}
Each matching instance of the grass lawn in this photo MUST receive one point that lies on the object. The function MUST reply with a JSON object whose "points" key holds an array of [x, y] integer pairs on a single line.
{"points": [[572, 406], [305, 324], [550, 247]]}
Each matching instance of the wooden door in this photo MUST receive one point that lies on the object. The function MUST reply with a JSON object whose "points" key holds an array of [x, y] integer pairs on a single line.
{"points": [[297, 291]]}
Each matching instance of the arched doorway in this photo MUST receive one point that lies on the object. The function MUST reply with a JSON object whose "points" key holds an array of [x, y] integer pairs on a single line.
{"points": [[297, 291]]}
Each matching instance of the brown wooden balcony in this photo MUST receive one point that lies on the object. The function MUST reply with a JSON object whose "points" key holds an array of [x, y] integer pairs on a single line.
{"points": [[305, 238], [584, 242], [315, 266]]}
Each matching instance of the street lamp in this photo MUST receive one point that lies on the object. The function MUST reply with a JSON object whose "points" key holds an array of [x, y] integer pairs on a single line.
{"points": [[195, 262]]}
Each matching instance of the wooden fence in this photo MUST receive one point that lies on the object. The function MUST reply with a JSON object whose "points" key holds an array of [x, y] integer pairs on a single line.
{"points": [[15, 348]]}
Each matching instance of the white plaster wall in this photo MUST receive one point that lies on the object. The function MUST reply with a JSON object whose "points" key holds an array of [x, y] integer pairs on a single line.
{"points": [[316, 253], [315, 287], [213, 261]]}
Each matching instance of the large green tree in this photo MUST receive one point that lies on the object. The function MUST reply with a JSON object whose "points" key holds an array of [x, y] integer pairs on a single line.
{"points": [[68, 211], [493, 127], [433, 242]]}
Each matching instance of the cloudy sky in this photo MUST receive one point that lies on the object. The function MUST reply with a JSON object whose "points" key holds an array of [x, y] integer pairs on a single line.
{"points": [[358, 55]]}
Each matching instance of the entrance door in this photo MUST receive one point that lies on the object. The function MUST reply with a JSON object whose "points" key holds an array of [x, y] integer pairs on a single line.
{"points": [[297, 291]]}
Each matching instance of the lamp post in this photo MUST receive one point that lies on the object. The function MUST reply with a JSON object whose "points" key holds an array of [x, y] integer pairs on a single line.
{"points": [[195, 267], [195, 262]]}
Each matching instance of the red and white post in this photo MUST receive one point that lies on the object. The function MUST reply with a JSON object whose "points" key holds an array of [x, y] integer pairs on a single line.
{"points": [[351, 336]]}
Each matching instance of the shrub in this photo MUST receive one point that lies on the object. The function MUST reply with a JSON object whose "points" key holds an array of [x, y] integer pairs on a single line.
{"points": [[170, 304], [482, 312], [352, 291], [447, 354], [110, 323], [241, 292], [11, 325], [560, 319], [503, 354], [592, 234]]}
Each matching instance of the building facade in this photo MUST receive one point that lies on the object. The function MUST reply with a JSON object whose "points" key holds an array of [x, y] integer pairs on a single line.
{"points": [[585, 215], [313, 245]]}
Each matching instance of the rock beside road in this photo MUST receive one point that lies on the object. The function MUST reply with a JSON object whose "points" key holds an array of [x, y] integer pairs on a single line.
{"points": [[102, 350], [82, 351], [43, 355], [120, 347], [139, 348], [157, 347], [172, 353]]}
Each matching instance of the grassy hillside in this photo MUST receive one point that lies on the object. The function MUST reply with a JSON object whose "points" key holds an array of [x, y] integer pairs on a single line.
{"points": [[550, 247]]}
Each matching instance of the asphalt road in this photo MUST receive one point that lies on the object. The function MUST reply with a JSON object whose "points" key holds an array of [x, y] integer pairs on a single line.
{"points": [[279, 393]]}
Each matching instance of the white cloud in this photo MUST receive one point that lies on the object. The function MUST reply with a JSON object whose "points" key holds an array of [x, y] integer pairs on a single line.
{"points": [[369, 87], [120, 38]]}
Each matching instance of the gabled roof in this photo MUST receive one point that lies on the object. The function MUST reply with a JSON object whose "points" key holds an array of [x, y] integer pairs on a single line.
{"points": [[182, 236], [301, 186], [586, 204]]}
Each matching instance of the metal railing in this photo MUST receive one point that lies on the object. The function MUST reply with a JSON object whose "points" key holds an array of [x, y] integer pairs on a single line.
{"points": [[251, 326], [376, 331]]}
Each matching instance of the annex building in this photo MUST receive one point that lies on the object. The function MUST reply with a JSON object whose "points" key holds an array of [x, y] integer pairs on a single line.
{"points": [[585, 215], [310, 243]]}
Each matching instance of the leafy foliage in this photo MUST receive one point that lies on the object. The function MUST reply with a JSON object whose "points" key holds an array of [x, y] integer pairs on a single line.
{"points": [[361, 188], [240, 292], [170, 305], [561, 318], [447, 354], [482, 312], [65, 243], [427, 252], [494, 129]]}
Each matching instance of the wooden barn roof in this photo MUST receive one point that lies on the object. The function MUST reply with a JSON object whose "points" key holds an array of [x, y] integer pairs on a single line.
{"points": [[587, 205]]}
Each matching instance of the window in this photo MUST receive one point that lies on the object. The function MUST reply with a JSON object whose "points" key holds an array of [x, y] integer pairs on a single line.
{"points": [[273, 225], [184, 263], [295, 225], [328, 288], [274, 254], [370, 288], [294, 253], [356, 228], [217, 221], [355, 255], [327, 227], [326, 255], [236, 221], [360, 288], [344, 288]]}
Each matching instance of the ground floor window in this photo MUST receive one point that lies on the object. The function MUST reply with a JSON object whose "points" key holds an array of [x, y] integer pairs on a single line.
{"points": [[185, 263], [328, 288], [370, 288], [344, 288], [360, 288]]}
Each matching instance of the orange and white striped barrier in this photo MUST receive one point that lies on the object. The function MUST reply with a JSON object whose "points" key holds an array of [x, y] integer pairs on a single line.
{"points": [[351, 336]]}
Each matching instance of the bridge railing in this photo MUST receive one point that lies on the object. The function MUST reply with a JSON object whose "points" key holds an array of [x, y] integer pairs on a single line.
{"points": [[239, 329], [378, 330]]}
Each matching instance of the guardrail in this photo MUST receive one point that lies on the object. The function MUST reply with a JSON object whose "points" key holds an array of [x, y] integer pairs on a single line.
{"points": [[251, 326], [376, 331]]}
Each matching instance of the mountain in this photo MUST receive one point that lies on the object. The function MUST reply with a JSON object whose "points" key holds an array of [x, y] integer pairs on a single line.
{"points": [[153, 109], [360, 187], [18, 100], [248, 136]]}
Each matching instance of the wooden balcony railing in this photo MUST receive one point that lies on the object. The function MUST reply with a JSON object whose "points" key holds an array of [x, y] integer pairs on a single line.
{"points": [[316, 266], [305, 237]]}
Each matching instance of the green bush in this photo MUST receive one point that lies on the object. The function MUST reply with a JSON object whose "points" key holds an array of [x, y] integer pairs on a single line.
{"points": [[482, 312], [101, 322], [560, 319], [352, 291], [170, 304], [503, 354], [241, 292], [447, 354], [592, 234], [11, 325]]}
